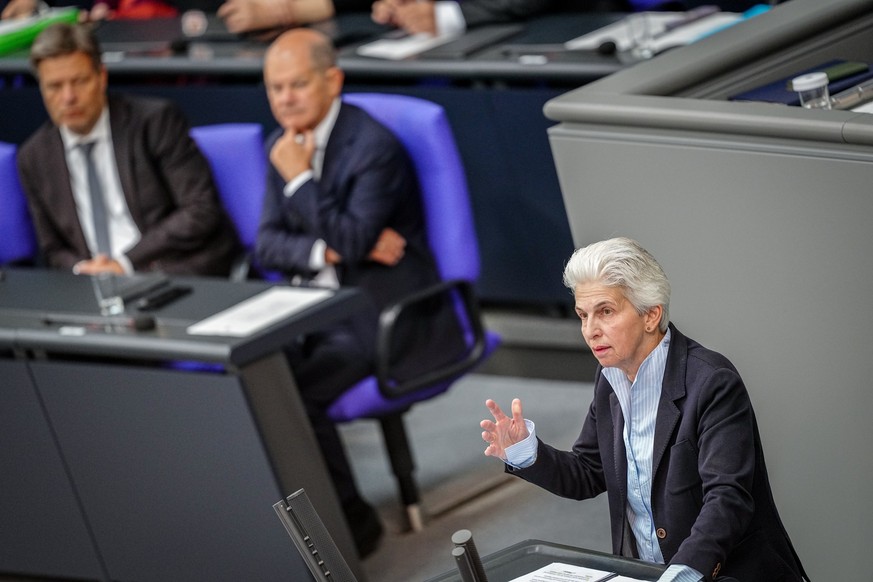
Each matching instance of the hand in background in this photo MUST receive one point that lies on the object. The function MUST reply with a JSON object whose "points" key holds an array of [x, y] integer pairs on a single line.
{"points": [[99, 264], [389, 248], [412, 16], [292, 153], [331, 257], [248, 15], [503, 431], [19, 9], [100, 11]]}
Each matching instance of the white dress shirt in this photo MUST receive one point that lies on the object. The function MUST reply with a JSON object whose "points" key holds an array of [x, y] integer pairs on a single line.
{"points": [[326, 274], [448, 18], [123, 232]]}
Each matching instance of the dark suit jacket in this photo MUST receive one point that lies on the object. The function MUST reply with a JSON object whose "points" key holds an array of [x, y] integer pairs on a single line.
{"points": [[479, 12], [167, 184], [367, 183], [711, 496]]}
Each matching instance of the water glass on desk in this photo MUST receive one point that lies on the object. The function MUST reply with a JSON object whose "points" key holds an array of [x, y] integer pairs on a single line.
{"points": [[107, 292], [641, 35], [813, 90]]}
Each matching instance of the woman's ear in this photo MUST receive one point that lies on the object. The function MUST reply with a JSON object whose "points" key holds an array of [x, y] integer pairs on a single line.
{"points": [[653, 317]]}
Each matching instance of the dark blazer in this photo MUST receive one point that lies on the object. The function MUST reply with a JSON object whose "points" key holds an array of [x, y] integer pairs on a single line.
{"points": [[167, 184], [711, 497], [367, 183]]}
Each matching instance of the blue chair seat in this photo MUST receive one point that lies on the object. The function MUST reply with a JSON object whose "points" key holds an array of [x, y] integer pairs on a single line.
{"points": [[18, 243], [235, 152]]}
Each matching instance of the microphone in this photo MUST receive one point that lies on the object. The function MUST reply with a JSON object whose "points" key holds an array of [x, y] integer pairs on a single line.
{"points": [[607, 47], [467, 557], [140, 322]]}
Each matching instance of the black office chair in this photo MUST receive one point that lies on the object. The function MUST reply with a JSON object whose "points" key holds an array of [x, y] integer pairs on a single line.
{"points": [[424, 130]]}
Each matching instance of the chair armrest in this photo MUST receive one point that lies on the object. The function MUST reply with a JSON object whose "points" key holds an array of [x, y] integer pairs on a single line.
{"points": [[466, 307]]}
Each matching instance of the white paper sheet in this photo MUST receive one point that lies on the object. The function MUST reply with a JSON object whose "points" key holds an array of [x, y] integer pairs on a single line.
{"points": [[258, 312], [399, 48], [864, 107], [557, 572]]}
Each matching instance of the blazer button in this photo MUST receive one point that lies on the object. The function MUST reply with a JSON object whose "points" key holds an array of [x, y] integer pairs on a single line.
{"points": [[716, 570], [661, 533]]}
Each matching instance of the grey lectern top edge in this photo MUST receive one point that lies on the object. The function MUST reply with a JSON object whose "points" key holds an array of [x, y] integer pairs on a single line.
{"points": [[743, 118], [665, 93], [529, 555], [27, 295]]}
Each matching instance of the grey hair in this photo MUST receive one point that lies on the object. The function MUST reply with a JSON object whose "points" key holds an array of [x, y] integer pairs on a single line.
{"points": [[622, 262], [322, 54], [62, 39]]}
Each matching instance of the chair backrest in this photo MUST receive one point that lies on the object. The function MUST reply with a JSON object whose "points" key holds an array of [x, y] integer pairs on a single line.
{"points": [[423, 128], [18, 240], [239, 166]]}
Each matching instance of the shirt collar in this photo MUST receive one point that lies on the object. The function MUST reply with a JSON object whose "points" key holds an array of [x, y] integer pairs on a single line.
{"points": [[652, 367], [323, 130], [100, 131]]}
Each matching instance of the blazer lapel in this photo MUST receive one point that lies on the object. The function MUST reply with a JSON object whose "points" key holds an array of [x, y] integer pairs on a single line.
{"points": [[619, 453], [673, 389], [336, 153], [59, 196], [118, 129]]}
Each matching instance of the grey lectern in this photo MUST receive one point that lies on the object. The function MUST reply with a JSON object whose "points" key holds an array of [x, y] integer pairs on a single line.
{"points": [[760, 214]]}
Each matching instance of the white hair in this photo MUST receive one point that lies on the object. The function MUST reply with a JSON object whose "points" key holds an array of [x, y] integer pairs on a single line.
{"points": [[622, 262]]}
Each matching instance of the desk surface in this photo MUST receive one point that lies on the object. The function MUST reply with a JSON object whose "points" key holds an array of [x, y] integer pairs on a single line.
{"points": [[26, 295], [158, 47], [530, 555]]}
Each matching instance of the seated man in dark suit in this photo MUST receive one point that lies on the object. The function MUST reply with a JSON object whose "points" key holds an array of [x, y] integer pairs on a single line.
{"points": [[342, 207], [115, 184]]}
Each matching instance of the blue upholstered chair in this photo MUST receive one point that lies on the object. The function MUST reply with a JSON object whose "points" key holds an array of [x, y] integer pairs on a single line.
{"points": [[18, 240], [424, 130], [235, 152]]}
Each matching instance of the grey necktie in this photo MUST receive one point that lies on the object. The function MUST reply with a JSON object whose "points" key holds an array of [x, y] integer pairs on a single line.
{"points": [[98, 203]]}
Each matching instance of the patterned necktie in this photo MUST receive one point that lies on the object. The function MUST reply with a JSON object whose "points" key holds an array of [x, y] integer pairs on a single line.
{"points": [[98, 203]]}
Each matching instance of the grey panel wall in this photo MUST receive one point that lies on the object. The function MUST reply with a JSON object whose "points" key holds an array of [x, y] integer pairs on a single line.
{"points": [[760, 215]]}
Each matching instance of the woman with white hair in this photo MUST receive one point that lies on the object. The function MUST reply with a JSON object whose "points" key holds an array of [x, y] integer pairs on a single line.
{"points": [[670, 435]]}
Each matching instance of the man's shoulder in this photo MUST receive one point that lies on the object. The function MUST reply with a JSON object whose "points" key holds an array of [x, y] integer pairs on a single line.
{"points": [[356, 119], [137, 108], [40, 141]]}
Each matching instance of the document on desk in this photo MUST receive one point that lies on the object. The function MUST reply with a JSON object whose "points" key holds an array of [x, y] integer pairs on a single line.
{"points": [[258, 312], [396, 49], [864, 108], [558, 572]]}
